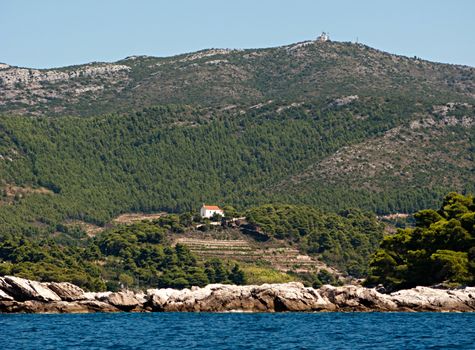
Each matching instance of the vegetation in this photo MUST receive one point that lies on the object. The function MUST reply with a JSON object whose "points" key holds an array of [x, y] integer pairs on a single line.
{"points": [[134, 256], [345, 240], [162, 159], [261, 274], [440, 249], [47, 261], [139, 255], [241, 128], [241, 77]]}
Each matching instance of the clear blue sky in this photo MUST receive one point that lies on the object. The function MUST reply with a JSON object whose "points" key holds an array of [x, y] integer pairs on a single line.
{"points": [[53, 33]]}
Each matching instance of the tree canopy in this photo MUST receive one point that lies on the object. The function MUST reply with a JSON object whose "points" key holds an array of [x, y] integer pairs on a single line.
{"points": [[344, 240], [440, 249]]}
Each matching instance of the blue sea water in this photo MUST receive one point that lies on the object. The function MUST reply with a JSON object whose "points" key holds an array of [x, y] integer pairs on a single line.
{"points": [[239, 331]]}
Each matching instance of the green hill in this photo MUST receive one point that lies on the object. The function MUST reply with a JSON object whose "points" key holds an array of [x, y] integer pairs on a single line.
{"points": [[173, 158], [329, 125], [307, 71]]}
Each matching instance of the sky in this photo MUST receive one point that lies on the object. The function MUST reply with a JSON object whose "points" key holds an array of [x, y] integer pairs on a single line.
{"points": [[55, 33]]}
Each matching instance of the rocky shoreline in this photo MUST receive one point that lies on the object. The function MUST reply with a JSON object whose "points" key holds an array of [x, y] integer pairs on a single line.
{"points": [[18, 295]]}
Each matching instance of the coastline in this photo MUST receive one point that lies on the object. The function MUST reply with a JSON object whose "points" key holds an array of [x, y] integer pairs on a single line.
{"points": [[18, 295]]}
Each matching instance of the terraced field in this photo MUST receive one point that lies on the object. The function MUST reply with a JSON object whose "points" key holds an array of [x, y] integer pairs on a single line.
{"points": [[281, 258]]}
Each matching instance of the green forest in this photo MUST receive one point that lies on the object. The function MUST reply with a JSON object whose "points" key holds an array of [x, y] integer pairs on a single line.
{"points": [[141, 254], [173, 158], [310, 142], [345, 240], [440, 249], [132, 256]]}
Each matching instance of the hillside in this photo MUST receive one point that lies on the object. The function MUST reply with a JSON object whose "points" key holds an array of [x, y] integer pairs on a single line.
{"points": [[306, 71], [173, 158], [185, 250], [431, 153], [330, 125]]}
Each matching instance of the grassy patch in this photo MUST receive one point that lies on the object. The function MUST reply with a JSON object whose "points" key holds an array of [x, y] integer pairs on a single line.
{"points": [[260, 275]]}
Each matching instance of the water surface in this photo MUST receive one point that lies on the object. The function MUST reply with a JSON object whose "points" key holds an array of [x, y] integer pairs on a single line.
{"points": [[239, 331]]}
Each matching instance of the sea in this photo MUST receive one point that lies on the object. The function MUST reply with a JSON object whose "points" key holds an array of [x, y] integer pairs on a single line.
{"points": [[239, 331]]}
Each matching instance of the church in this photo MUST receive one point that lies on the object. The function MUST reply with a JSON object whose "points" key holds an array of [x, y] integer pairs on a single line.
{"points": [[207, 211]]}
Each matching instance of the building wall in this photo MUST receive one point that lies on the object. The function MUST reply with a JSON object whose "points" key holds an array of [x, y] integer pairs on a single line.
{"points": [[207, 213]]}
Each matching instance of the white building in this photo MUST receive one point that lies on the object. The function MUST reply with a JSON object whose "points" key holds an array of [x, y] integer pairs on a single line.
{"points": [[207, 211], [324, 37]]}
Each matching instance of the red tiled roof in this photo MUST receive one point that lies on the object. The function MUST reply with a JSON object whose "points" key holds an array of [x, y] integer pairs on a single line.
{"points": [[211, 207]]}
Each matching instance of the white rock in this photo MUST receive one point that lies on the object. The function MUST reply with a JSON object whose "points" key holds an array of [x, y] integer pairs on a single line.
{"points": [[23, 289], [4, 296], [67, 291]]}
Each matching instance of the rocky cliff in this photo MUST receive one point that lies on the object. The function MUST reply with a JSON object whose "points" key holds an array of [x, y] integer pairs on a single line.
{"points": [[19, 295]]}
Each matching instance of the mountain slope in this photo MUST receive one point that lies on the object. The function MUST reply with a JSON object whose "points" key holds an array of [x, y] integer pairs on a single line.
{"points": [[335, 125], [175, 158], [429, 154], [306, 71], [330, 125]]}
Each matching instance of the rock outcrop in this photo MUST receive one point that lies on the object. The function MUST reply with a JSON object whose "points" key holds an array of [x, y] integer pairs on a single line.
{"points": [[217, 297], [4, 296], [430, 299], [67, 291], [125, 301], [356, 298], [18, 295], [32, 87], [22, 289], [56, 307]]}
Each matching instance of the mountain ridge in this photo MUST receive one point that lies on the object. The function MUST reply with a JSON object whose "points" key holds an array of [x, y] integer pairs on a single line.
{"points": [[175, 55], [310, 137], [276, 114], [309, 70]]}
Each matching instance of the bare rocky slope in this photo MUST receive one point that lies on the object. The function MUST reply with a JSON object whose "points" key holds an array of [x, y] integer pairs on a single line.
{"points": [[19, 295]]}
